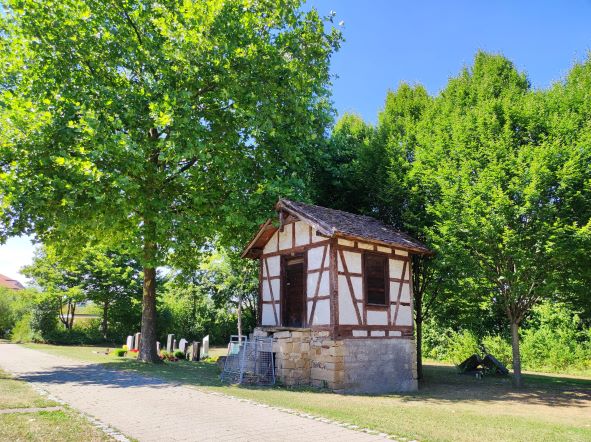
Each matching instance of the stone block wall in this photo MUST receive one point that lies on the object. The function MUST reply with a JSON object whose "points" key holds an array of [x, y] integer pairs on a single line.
{"points": [[380, 365], [309, 357]]}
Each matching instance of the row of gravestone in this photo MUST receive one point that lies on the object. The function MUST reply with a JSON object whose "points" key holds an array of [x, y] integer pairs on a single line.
{"points": [[193, 352]]}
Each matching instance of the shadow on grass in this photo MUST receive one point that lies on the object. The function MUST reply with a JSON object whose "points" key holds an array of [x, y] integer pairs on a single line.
{"points": [[441, 384]]}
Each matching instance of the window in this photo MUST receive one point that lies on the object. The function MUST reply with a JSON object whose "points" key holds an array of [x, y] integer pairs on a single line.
{"points": [[374, 274]]}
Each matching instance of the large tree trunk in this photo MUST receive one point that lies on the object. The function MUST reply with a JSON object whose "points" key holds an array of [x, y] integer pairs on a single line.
{"points": [[148, 338], [516, 355], [105, 324]]}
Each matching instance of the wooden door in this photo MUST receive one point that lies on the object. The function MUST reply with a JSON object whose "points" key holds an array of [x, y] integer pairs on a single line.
{"points": [[294, 301]]}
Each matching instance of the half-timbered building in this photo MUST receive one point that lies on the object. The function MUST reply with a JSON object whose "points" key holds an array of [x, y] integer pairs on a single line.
{"points": [[335, 292]]}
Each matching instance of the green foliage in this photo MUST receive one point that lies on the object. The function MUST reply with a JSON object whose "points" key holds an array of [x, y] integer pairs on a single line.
{"points": [[205, 301], [179, 354], [21, 332], [119, 352], [6, 314], [556, 341], [44, 317], [500, 348], [494, 177], [157, 126]]}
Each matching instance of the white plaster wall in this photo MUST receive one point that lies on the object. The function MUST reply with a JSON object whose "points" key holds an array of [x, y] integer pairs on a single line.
{"points": [[377, 317], [323, 289], [316, 238], [358, 333], [285, 237], [405, 293], [312, 279], [404, 315], [271, 245], [353, 261], [268, 317], [274, 263], [315, 257], [266, 291], [302, 232], [378, 333], [357, 283], [401, 252], [384, 249], [394, 287], [321, 314], [346, 242], [395, 268], [346, 310]]}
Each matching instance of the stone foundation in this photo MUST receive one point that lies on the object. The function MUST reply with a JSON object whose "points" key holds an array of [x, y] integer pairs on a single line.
{"points": [[360, 365]]}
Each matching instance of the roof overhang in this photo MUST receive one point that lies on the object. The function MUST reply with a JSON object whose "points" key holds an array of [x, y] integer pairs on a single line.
{"points": [[255, 247]]}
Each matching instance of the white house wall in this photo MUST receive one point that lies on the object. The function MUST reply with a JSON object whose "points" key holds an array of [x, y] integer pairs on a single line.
{"points": [[352, 311], [318, 285], [296, 234]]}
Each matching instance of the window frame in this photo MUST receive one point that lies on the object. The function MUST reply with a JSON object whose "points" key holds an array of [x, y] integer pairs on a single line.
{"points": [[385, 257]]}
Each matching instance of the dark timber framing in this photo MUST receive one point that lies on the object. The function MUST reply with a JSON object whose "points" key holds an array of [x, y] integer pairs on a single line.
{"points": [[332, 261]]}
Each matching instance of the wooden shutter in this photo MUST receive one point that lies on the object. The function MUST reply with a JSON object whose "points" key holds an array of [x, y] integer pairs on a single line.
{"points": [[374, 273]]}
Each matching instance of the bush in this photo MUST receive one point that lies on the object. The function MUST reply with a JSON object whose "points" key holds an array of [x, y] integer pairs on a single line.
{"points": [[500, 348], [119, 352], [21, 331], [168, 356], [462, 346], [44, 318], [179, 354], [556, 341]]}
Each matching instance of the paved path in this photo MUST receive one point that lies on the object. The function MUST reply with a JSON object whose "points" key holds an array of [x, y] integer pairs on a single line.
{"points": [[150, 409]]}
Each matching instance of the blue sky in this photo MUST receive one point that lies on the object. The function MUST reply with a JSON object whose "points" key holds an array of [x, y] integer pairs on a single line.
{"points": [[388, 42], [429, 41]]}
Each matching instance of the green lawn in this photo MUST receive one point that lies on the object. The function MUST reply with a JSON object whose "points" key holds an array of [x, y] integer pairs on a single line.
{"points": [[39, 425], [448, 406]]}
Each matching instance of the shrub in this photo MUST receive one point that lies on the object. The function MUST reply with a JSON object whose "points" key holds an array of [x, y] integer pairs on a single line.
{"points": [[44, 318], [168, 356], [500, 348], [179, 354], [21, 331], [119, 352], [461, 346], [556, 341]]}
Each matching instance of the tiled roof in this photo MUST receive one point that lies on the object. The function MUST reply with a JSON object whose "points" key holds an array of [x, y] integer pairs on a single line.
{"points": [[10, 283], [333, 222]]}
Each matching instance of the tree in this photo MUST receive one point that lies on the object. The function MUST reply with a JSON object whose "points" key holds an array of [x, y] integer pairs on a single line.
{"points": [[500, 207], [110, 279], [156, 125], [209, 299], [60, 280]]}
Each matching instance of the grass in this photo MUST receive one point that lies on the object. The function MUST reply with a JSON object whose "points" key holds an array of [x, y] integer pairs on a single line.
{"points": [[448, 406], [38, 425]]}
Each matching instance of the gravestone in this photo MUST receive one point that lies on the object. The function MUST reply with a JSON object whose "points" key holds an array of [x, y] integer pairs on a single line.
{"points": [[205, 348], [169, 343], [174, 347], [193, 353], [129, 342], [136, 341], [183, 345], [158, 347]]}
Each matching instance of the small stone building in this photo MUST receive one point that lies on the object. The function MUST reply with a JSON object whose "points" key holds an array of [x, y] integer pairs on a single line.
{"points": [[335, 292]]}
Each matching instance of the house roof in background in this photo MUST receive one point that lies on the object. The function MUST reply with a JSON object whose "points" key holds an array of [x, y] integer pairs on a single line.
{"points": [[10, 283]]}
